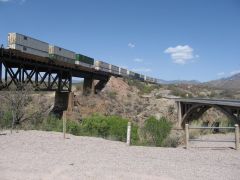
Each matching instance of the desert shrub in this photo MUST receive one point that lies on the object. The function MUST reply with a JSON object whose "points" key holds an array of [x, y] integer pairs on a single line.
{"points": [[172, 141], [111, 127], [51, 123], [194, 134], [156, 131], [142, 86], [6, 120], [159, 96], [74, 127], [95, 126], [178, 92], [112, 94], [227, 94]]}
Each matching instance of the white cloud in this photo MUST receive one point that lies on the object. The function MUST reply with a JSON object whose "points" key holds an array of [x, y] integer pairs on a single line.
{"points": [[235, 72], [138, 60], [131, 45], [142, 70], [181, 54], [221, 73]]}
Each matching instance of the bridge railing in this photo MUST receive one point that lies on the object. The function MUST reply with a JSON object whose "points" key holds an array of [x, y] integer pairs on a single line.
{"points": [[187, 139]]}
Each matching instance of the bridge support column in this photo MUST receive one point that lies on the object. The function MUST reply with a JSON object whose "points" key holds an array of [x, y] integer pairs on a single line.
{"points": [[179, 110], [100, 85], [88, 86], [63, 101], [0, 72]]}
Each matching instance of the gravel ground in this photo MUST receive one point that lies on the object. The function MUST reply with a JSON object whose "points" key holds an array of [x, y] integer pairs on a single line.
{"points": [[46, 155]]}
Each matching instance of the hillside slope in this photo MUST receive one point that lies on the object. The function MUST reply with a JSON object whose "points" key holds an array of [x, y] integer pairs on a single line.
{"points": [[232, 83], [120, 98]]}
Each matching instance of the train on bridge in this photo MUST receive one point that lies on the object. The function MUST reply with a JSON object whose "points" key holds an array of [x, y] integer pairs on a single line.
{"points": [[36, 47]]}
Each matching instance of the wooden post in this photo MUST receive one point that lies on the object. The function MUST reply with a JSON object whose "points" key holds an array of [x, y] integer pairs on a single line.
{"points": [[187, 135], [64, 124], [238, 115], [129, 134], [13, 121], [236, 136]]}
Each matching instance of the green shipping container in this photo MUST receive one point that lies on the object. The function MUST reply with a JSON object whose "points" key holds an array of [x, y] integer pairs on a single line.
{"points": [[84, 59]]}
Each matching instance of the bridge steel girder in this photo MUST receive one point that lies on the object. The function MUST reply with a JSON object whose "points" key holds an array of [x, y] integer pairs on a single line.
{"points": [[41, 78], [43, 73]]}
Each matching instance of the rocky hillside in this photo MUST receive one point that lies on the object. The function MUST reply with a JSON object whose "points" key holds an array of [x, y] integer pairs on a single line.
{"points": [[137, 101], [120, 98], [232, 83]]}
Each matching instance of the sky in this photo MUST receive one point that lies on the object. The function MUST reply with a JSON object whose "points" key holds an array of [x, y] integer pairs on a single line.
{"points": [[165, 39]]}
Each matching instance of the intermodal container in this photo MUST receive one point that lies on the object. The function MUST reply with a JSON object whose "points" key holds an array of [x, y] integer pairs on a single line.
{"points": [[130, 73], [26, 41], [137, 76], [84, 59], [123, 72], [114, 69], [102, 66], [28, 50], [61, 52]]}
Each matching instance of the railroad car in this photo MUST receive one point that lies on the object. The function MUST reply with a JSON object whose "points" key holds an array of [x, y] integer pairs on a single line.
{"points": [[36, 47], [61, 54], [123, 72], [84, 61], [27, 44], [114, 69], [102, 66], [131, 74]]}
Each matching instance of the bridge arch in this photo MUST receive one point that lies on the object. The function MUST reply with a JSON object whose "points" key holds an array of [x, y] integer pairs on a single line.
{"points": [[197, 110]]}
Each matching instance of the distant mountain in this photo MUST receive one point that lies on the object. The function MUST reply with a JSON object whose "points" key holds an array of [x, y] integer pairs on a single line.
{"points": [[179, 82], [232, 82]]}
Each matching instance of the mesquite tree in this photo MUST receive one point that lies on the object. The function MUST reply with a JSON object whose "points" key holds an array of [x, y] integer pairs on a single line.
{"points": [[22, 104]]}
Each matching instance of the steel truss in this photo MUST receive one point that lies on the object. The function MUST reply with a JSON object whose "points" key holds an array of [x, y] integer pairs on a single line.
{"points": [[41, 77]]}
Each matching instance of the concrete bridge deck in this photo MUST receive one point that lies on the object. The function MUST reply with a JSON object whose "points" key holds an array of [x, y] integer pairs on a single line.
{"points": [[225, 102]]}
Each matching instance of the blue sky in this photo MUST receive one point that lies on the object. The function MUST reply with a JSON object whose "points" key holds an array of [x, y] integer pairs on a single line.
{"points": [[167, 39]]}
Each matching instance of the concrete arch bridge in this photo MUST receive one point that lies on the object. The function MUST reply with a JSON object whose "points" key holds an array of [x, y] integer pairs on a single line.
{"points": [[191, 109]]}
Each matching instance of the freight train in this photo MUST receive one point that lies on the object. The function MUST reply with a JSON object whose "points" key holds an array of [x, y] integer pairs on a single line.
{"points": [[36, 47]]}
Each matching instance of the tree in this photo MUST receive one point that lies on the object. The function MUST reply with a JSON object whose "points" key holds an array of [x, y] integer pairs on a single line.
{"points": [[20, 101]]}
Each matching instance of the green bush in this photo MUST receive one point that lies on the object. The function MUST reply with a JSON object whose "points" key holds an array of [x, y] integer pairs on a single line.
{"points": [[73, 127], [51, 124], [156, 131], [6, 120], [111, 127]]}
